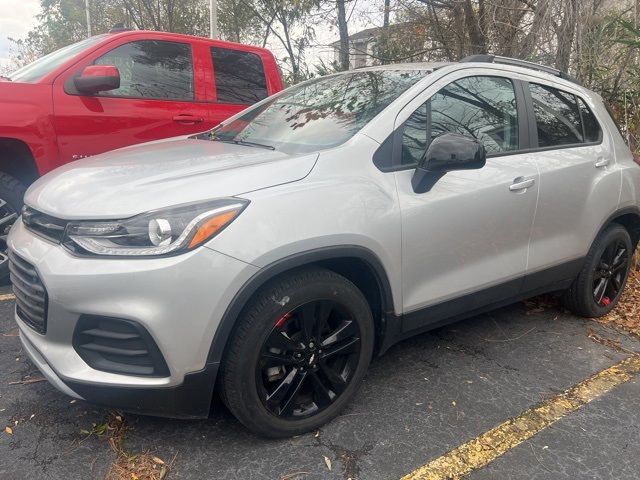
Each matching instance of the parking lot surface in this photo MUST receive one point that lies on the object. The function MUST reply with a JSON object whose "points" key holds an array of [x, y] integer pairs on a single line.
{"points": [[425, 397]]}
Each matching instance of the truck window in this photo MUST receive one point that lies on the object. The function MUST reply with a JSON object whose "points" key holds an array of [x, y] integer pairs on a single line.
{"points": [[239, 76], [152, 69]]}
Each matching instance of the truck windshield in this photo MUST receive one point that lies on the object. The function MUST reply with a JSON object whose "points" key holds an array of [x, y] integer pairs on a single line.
{"points": [[318, 114], [39, 68]]}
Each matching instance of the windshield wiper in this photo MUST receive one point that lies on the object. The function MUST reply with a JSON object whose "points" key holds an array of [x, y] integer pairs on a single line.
{"points": [[243, 142], [5, 78]]}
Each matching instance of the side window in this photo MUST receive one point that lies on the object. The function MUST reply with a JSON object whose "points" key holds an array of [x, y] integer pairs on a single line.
{"points": [[480, 107], [152, 69], [592, 130], [414, 136], [557, 116], [239, 76]]}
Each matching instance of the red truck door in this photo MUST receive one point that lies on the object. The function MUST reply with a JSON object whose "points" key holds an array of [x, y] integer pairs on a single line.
{"points": [[241, 77], [162, 94]]}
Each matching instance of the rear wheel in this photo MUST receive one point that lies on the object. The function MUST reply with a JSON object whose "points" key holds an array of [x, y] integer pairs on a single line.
{"points": [[599, 285], [11, 194], [299, 353]]}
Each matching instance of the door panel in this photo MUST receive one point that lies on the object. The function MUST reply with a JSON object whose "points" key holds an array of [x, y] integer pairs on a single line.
{"points": [[576, 196], [468, 233], [579, 181], [471, 231], [158, 98]]}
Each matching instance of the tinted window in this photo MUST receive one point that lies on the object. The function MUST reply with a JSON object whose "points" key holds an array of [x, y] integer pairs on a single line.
{"points": [[480, 107], [320, 113], [239, 76], [152, 69], [592, 131], [557, 116]]}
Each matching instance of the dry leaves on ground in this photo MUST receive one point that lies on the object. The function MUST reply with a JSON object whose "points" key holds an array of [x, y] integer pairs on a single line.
{"points": [[128, 466], [626, 315]]}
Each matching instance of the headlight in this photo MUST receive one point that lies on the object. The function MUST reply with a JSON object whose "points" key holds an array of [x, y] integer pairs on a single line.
{"points": [[162, 232]]}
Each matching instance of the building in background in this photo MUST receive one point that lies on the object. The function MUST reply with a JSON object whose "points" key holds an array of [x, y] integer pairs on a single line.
{"points": [[362, 47], [397, 42]]}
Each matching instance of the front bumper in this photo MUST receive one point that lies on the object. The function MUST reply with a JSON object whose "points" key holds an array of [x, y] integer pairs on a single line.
{"points": [[178, 300]]}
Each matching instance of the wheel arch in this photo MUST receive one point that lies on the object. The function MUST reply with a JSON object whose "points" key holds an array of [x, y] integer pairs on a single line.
{"points": [[358, 264], [629, 218], [17, 160]]}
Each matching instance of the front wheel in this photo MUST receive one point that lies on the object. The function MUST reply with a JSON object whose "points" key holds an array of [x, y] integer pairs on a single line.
{"points": [[298, 354], [11, 194], [599, 285]]}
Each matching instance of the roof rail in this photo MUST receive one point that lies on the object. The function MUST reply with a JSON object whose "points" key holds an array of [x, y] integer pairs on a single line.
{"points": [[486, 58]]}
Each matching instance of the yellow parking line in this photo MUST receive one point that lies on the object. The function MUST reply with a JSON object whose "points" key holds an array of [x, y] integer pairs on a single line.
{"points": [[485, 448], [6, 297]]}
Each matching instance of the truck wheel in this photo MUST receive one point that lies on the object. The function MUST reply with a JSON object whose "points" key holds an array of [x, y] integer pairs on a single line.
{"points": [[11, 194]]}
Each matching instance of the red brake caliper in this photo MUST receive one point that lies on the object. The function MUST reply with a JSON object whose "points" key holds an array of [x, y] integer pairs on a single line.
{"points": [[605, 301], [282, 320]]}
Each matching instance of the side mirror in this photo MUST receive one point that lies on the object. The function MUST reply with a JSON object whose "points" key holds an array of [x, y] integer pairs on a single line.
{"points": [[446, 153], [97, 78]]}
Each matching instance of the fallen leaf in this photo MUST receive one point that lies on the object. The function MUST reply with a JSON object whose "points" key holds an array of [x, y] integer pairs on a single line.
{"points": [[327, 462], [9, 430], [157, 460]]}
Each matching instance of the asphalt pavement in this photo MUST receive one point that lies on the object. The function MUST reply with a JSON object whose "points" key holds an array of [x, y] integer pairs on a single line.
{"points": [[425, 397]]}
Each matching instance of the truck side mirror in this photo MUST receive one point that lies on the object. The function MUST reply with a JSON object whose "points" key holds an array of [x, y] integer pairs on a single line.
{"points": [[97, 78]]}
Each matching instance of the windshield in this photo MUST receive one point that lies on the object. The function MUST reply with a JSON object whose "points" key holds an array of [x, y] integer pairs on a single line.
{"points": [[39, 68], [319, 114]]}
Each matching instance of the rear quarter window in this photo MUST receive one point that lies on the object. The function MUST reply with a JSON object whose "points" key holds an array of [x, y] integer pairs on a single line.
{"points": [[239, 76], [592, 130], [557, 116]]}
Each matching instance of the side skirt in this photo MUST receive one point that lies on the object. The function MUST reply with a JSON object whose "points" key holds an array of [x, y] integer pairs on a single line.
{"points": [[434, 316]]}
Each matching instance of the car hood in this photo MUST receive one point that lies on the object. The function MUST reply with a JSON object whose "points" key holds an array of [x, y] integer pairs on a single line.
{"points": [[137, 179]]}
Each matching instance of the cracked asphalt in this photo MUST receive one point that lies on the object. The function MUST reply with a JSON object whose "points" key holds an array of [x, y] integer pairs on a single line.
{"points": [[426, 396]]}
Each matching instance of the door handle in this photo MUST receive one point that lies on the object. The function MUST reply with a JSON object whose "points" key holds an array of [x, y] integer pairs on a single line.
{"points": [[602, 162], [521, 183], [187, 119]]}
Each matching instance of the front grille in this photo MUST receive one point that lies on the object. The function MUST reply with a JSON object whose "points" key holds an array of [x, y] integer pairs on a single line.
{"points": [[118, 346], [44, 225], [31, 296]]}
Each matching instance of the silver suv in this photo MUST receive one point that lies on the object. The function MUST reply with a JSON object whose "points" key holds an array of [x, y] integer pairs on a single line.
{"points": [[272, 257]]}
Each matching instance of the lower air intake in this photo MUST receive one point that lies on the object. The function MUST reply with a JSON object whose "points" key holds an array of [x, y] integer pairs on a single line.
{"points": [[117, 345]]}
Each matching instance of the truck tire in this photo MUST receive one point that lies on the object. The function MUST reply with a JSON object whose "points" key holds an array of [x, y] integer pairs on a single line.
{"points": [[11, 195]]}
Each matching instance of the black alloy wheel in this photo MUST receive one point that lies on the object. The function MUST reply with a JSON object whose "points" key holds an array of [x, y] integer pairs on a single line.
{"points": [[598, 287], [298, 353], [308, 359], [610, 273]]}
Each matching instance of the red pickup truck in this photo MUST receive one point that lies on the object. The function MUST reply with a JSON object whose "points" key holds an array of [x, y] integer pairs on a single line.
{"points": [[114, 90]]}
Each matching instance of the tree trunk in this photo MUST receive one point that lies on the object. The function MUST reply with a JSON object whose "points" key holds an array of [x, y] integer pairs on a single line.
{"points": [[476, 35], [344, 35], [566, 33]]}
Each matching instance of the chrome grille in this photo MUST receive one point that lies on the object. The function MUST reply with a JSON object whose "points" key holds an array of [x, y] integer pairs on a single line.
{"points": [[31, 296]]}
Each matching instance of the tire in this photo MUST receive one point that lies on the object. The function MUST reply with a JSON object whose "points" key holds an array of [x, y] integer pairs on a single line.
{"points": [[582, 297], [11, 201], [253, 386]]}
